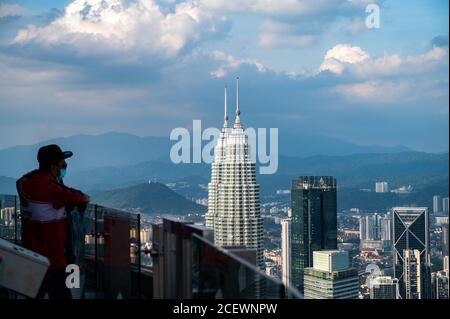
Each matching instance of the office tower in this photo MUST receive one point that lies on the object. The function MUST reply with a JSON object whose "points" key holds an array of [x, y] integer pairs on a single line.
{"points": [[440, 285], [437, 204], [412, 274], [314, 221], [383, 287], [386, 227], [381, 187], [286, 251], [445, 204], [331, 277], [444, 239], [370, 227], [445, 265], [410, 232], [233, 195]]}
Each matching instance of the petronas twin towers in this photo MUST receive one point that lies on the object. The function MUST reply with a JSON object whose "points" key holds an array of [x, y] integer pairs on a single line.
{"points": [[233, 195]]}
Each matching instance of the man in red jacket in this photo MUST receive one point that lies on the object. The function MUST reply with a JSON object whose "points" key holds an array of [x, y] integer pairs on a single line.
{"points": [[43, 202]]}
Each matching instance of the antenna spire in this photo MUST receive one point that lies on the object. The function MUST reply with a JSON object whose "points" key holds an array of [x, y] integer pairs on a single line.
{"points": [[238, 111], [225, 117]]}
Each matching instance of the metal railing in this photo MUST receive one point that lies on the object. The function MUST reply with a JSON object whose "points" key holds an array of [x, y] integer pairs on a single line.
{"points": [[106, 247], [186, 263]]}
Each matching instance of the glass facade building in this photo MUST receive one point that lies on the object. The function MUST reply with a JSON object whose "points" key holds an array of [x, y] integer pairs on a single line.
{"points": [[314, 221], [410, 233]]}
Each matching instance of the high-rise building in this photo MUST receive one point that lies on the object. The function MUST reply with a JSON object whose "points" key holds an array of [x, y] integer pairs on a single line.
{"points": [[286, 251], [233, 194], [381, 187], [314, 221], [386, 228], [444, 239], [412, 274], [331, 277], [370, 227], [440, 285], [445, 203], [410, 240], [376, 230], [445, 264], [383, 287], [437, 204]]}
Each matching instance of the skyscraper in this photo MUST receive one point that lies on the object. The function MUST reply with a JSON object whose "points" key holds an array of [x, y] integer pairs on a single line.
{"points": [[410, 234], [444, 239], [331, 277], [384, 287], [386, 228], [314, 221], [445, 203], [412, 274], [286, 251], [437, 204], [233, 195], [440, 285], [370, 227], [381, 187]]}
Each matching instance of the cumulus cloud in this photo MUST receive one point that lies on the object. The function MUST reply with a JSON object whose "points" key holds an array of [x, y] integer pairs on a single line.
{"points": [[340, 55], [275, 34], [376, 92], [280, 7], [353, 59], [296, 23], [229, 62], [11, 10], [96, 26]]}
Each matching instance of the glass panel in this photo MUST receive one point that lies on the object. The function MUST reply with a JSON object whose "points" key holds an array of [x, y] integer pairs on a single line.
{"points": [[9, 218], [220, 274]]}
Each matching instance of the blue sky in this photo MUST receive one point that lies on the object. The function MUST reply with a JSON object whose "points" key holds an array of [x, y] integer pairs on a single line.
{"points": [[148, 66]]}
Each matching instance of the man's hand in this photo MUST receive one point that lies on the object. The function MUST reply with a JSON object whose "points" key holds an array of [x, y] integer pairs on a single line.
{"points": [[86, 199]]}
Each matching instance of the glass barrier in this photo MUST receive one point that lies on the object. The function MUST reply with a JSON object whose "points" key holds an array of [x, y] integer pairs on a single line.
{"points": [[111, 253], [103, 242], [220, 274], [9, 218]]}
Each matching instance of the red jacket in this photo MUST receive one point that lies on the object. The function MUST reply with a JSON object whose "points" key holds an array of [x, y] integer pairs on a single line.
{"points": [[42, 206]]}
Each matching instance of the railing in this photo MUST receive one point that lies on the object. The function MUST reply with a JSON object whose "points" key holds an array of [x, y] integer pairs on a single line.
{"points": [[220, 273], [106, 245], [186, 264]]}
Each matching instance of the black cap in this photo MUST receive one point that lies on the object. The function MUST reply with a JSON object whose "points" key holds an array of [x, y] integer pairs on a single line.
{"points": [[52, 154]]}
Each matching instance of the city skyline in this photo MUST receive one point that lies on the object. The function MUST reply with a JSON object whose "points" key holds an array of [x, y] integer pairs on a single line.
{"points": [[323, 174]]}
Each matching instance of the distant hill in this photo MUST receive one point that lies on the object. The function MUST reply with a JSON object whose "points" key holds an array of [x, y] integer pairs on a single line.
{"points": [[121, 149], [90, 151], [153, 198], [353, 171]]}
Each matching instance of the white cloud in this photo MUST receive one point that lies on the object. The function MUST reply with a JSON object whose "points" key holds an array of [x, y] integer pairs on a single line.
{"points": [[341, 54], [386, 79], [355, 60], [90, 26], [374, 92], [270, 7], [11, 10], [229, 62], [276, 34]]}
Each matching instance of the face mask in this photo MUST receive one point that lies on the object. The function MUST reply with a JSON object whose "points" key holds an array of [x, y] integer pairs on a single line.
{"points": [[62, 173]]}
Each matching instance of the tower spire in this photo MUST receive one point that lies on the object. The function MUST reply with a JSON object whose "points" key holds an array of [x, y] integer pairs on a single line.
{"points": [[237, 122], [225, 116]]}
